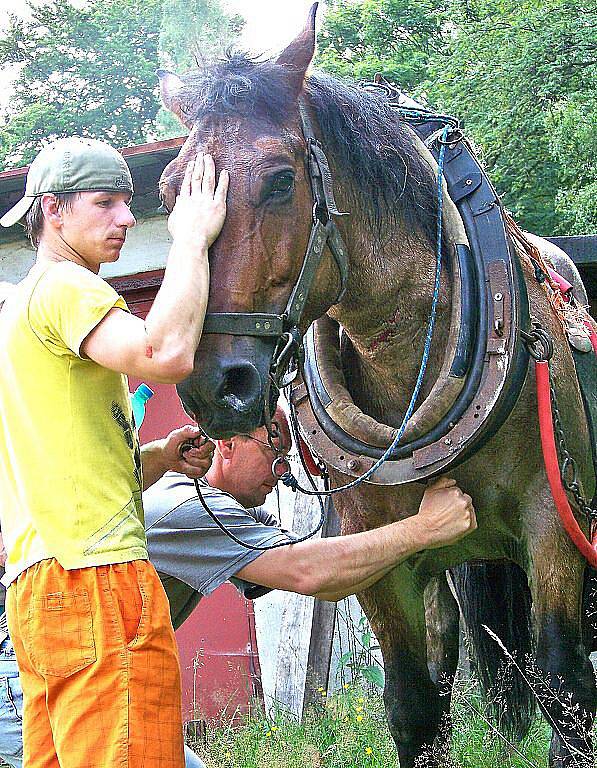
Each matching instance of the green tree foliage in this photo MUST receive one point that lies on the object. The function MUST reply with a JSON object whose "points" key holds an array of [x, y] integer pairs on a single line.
{"points": [[396, 37], [87, 71], [192, 31], [89, 68], [521, 74]]}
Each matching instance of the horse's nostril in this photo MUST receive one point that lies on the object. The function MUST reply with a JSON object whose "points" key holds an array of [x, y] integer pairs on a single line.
{"points": [[241, 387]]}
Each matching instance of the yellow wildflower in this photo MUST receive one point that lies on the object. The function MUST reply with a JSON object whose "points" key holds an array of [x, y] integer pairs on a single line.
{"points": [[368, 751], [359, 718]]}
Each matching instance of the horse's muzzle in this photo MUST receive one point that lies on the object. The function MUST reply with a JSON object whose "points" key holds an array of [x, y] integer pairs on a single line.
{"points": [[228, 388]]}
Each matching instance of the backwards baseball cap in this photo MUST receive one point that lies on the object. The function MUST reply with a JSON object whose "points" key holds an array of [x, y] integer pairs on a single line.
{"points": [[72, 165]]}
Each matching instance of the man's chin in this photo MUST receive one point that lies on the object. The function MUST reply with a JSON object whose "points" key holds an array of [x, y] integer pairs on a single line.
{"points": [[260, 497]]}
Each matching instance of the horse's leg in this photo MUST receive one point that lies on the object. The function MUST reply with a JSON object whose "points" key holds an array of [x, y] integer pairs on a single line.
{"points": [[442, 617], [564, 679], [414, 708]]}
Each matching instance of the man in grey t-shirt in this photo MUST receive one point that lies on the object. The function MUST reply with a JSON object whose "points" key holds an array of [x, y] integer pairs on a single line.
{"points": [[193, 555]]}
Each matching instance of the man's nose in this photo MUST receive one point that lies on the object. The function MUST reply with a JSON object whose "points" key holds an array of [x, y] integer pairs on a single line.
{"points": [[125, 217]]}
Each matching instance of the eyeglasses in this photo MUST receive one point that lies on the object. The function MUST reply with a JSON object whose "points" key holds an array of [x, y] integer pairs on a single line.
{"points": [[280, 464], [278, 447]]}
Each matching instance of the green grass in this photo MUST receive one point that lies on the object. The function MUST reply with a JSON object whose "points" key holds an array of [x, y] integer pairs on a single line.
{"points": [[348, 730]]}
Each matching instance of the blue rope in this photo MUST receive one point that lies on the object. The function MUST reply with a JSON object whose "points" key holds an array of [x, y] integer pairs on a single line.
{"points": [[290, 480]]}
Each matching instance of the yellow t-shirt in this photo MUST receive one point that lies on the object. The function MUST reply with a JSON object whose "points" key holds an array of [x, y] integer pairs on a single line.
{"points": [[70, 465]]}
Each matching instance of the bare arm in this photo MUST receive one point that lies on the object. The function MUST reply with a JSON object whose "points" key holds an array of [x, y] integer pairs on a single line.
{"points": [[336, 567], [163, 347]]}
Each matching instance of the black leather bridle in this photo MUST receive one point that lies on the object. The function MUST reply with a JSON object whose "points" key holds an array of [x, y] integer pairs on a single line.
{"points": [[286, 326]]}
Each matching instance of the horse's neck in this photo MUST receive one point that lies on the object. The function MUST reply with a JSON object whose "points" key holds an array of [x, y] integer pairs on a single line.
{"points": [[385, 316]]}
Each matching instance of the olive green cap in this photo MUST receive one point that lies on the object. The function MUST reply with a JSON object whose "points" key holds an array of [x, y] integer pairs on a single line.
{"points": [[72, 165]]}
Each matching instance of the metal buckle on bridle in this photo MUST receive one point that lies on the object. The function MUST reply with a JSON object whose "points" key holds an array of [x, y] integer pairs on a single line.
{"points": [[280, 462], [287, 350]]}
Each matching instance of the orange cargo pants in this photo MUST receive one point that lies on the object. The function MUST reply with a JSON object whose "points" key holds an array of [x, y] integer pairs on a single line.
{"points": [[99, 667]]}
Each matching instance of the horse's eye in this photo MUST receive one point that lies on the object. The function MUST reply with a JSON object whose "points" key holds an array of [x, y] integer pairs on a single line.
{"points": [[281, 184]]}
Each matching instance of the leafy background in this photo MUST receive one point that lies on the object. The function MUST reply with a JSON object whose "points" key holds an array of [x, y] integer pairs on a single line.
{"points": [[521, 75]]}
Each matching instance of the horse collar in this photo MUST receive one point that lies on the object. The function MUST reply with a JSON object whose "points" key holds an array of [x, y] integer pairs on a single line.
{"points": [[488, 365]]}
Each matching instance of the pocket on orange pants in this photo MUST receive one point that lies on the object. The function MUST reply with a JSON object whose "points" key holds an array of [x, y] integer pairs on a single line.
{"points": [[59, 633]]}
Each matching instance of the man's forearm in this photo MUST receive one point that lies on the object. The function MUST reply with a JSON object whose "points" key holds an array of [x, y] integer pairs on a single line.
{"points": [[353, 589], [152, 462], [333, 568], [361, 559], [175, 320]]}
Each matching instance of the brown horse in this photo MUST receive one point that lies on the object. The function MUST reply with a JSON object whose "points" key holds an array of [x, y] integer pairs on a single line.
{"points": [[246, 114]]}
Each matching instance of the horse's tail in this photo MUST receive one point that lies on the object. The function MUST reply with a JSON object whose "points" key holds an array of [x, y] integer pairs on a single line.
{"points": [[497, 595]]}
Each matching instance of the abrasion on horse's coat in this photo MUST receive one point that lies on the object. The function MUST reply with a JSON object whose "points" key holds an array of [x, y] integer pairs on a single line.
{"points": [[246, 114]]}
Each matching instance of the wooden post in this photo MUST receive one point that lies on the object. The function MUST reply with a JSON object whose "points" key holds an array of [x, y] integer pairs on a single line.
{"points": [[307, 625], [322, 628]]}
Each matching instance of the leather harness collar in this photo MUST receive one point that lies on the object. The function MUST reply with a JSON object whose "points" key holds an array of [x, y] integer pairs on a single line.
{"points": [[493, 362]]}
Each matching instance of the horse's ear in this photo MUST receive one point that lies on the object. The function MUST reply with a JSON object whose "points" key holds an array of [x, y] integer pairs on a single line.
{"points": [[297, 56], [170, 87]]}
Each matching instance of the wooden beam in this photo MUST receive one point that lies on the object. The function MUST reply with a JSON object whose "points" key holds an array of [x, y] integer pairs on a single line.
{"points": [[322, 628], [582, 249], [301, 643]]}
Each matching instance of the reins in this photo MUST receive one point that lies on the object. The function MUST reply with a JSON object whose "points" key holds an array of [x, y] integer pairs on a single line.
{"points": [[277, 450]]}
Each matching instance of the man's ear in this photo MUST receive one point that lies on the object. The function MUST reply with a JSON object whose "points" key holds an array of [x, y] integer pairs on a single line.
{"points": [[226, 447], [51, 210]]}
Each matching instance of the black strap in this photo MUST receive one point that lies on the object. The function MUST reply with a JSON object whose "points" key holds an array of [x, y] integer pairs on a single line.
{"points": [[324, 231], [244, 323], [585, 364]]}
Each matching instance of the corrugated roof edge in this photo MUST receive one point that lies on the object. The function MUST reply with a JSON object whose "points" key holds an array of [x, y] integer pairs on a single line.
{"points": [[138, 149]]}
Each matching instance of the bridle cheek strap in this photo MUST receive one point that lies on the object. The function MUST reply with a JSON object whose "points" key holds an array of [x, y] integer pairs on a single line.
{"points": [[286, 326]]}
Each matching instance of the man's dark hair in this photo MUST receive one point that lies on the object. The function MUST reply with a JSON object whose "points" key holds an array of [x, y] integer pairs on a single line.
{"points": [[34, 220]]}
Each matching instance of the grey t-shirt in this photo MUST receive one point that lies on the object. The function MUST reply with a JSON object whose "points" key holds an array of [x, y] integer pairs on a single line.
{"points": [[190, 553]]}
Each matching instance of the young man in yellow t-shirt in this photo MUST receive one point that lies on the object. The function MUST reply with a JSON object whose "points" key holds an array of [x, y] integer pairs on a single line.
{"points": [[87, 614]]}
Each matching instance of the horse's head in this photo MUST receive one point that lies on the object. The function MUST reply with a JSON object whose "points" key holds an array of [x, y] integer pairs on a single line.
{"points": [[246, 114]]}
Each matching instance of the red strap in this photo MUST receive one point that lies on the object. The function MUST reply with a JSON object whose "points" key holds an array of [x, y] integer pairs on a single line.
{"points": [[587, 549], [563, 284], [310, 462]]}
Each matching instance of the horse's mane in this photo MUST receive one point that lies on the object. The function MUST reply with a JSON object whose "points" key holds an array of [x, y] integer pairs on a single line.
{"points": [[370, 145]]}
